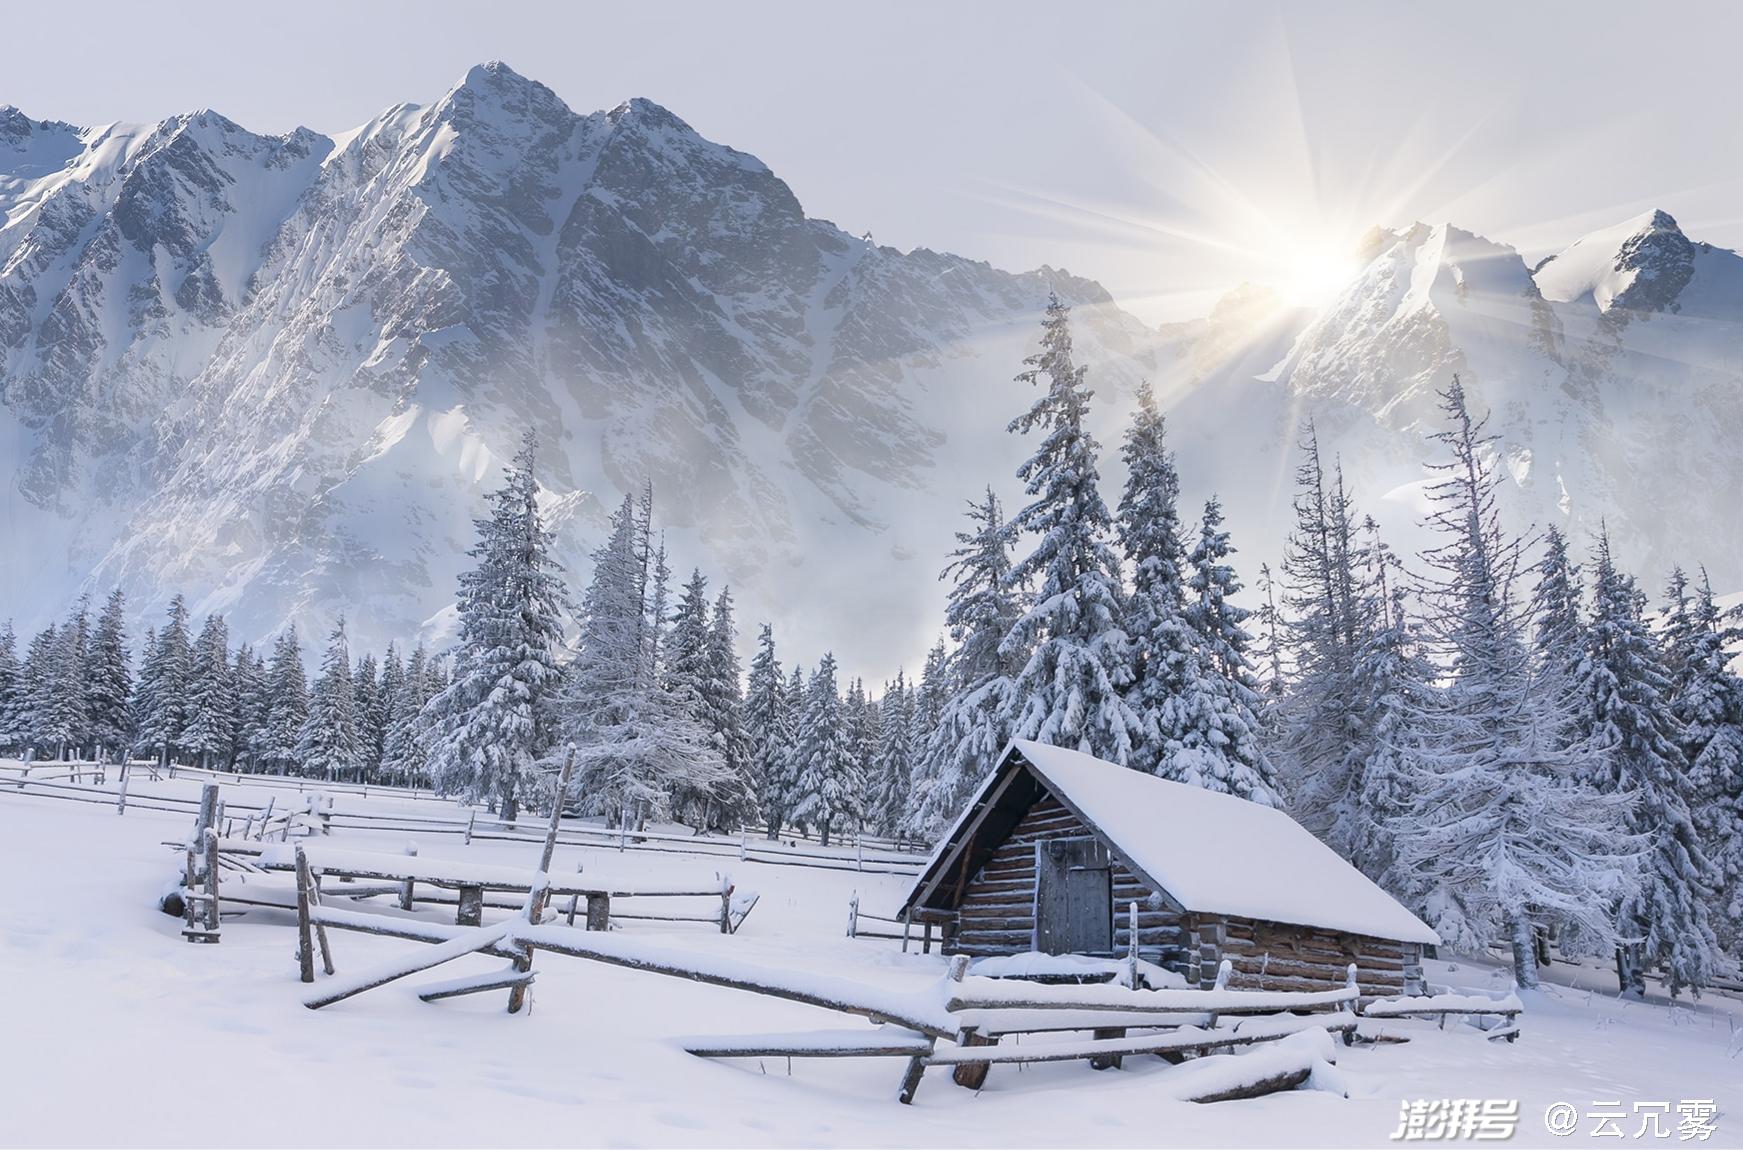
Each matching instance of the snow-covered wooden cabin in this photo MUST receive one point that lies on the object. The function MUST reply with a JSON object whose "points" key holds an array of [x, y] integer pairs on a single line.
{"points": [[1057, 845]]}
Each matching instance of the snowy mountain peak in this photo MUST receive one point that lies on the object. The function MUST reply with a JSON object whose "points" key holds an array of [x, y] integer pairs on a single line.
{"points": [[1639, 265]]}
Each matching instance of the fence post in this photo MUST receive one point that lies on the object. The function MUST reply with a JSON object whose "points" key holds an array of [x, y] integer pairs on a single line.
{"points": [[405, 890], [726, 904], [121, 797], [470, 818], [305, 945], [852, 914], [859, 851], [574, 899], [211, 885]]}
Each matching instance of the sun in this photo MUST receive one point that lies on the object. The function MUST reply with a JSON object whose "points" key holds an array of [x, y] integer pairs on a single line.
{"points": [[1312, 273]]}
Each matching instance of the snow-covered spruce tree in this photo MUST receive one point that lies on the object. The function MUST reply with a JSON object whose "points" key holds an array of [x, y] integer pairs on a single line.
{"points": [[861, 713], [702, 675], [1314, 726], [1707, 699], [1663, 921], [930, 695], [1220, 747], [389, 697], [895, 758], [1392, 680], [366, 697], [11, 689], [402, 755], [36, 684], [211, 725], [495, 720], [161, 694], [828, 782], [1068, 693], [253, 707], [736, 799], [1268, 648], [109, 682], [57, 704], [768, 728], [636, 742], [1499, 833], [289, 689], [973, 724], [792, 753], [328, 746], [1164, 683]]}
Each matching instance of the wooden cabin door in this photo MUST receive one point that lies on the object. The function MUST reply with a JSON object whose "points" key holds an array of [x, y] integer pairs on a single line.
{"points": [[1074, 897]]}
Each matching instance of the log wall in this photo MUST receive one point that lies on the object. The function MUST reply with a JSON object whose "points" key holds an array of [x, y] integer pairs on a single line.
{"points": [[997, 907], [1283, 956]]}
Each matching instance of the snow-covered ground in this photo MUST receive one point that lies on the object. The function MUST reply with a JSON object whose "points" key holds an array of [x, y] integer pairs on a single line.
{"points": [[116, 1031]]}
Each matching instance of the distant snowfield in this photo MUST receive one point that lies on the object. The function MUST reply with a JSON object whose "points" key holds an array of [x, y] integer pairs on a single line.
{"points": [[118, 1032]]}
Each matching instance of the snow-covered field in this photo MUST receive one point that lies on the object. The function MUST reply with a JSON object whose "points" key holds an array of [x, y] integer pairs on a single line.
{"points": [[116, 1031]]}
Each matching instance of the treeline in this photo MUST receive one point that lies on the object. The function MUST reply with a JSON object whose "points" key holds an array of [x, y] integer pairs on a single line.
{"points": [[196, 701]]}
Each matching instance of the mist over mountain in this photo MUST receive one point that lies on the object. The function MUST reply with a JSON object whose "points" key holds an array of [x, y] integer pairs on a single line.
{"points": [[278, 373]]}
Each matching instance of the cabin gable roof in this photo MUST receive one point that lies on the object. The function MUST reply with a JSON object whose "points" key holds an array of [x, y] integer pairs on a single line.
{"points": [[1206, 852]]}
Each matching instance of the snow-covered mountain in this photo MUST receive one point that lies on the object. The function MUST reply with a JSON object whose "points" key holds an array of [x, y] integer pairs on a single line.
{"points": [[1613, 373], [277, 373]]}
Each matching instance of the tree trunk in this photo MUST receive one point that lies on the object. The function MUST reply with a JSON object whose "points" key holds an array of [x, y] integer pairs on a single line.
{"points": [[507, 804], [1524, 954], [825, 832]]}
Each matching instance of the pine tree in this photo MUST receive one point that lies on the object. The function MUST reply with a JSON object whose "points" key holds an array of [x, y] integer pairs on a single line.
{"points": [[289, 688], [161, 694], [1707, 700], [1219, 745], [895, 758], [1317, 728], [860, 715], [389, 698], [696, 675], [253, 708], [1163, 680], [962, 745], [211, 709], [328, 746], [828, 784], [1068, 692], [402, 754], [108, 680], [37, 686], [366, 689], [496, 719], [724, 694], [1499, 835], [637, 744], [11, 689], [1392, 680], [58, 714], [768, 726], [1663, 921]]}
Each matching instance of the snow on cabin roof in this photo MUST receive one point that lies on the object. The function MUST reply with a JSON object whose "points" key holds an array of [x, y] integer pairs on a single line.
{"points": [[1220, 854]]}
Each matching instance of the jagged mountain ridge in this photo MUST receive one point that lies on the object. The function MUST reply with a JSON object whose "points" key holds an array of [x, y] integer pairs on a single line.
{"points": [[1613, 374], [276, 373]]}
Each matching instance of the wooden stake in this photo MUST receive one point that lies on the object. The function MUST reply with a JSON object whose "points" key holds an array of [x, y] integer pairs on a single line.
{"points": [[305, 945], [726, 904], [405, 890], [541, 885]]}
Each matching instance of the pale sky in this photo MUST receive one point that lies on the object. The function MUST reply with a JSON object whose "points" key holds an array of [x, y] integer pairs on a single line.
{"points": [[1168, 150]]}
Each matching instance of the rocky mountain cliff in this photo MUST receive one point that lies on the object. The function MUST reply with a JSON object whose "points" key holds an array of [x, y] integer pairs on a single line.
{"points": [[276, 373]]}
